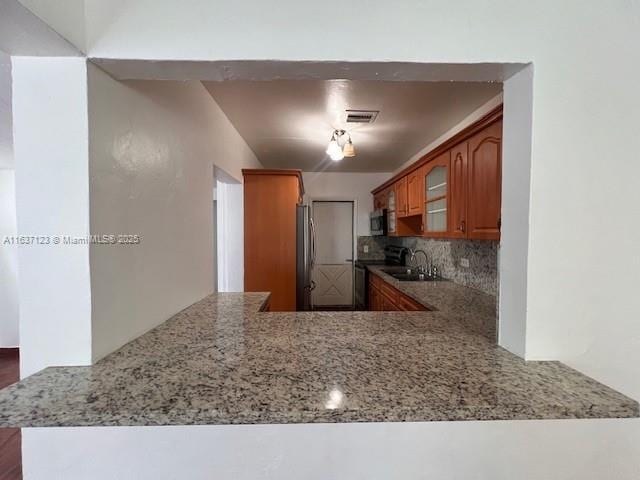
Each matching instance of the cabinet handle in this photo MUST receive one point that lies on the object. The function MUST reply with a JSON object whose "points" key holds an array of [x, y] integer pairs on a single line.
{"points": [[463, 226]]}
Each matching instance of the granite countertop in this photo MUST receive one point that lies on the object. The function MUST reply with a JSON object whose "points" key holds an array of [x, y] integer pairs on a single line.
{"points": [[475, 309], [221, 361]]}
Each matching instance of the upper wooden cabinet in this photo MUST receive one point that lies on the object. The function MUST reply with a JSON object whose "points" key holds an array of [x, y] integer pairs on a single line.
{"points": [[380, 201], [456, 189], [402, 198], [414, 193], [436, 196], [484, 183], [392, 218]]}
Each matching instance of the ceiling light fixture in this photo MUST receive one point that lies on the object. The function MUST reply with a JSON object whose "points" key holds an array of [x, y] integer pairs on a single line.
{"points": [[349, 150], [337, 152], [333, 149]]}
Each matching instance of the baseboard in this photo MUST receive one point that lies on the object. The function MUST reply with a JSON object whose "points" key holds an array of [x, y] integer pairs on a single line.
{"points": [[9, 350]]}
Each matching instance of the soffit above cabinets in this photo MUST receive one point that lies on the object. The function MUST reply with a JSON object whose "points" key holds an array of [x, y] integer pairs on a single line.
{"points": [[287, 123]]}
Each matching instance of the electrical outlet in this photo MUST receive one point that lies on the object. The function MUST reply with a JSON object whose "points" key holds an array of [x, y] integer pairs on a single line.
{"points": [[464, 262], [366, 249]]}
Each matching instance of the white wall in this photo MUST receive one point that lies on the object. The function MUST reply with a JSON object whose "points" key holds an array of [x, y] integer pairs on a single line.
{"points": [[581, 307], [6, 123], [345, 186], [8, 252], [514, 241], [473, 117], [50, 133], [152, 150], [507, 450], [24, 34], [8, 262], [67, 21]]}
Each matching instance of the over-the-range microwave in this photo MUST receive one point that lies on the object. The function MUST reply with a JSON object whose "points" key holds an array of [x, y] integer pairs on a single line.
{"points": [[378, 222]]}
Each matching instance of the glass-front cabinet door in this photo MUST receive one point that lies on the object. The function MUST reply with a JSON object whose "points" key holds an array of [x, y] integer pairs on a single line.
{"points": [[436, 176], [391, 200], [391, 211]]}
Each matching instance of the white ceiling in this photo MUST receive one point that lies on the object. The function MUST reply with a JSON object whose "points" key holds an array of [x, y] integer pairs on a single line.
{"points": [[287, 123], [24, 34]]}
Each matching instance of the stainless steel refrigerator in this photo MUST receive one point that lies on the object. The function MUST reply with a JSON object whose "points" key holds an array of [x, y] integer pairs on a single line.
{"points": [[305, 257]]}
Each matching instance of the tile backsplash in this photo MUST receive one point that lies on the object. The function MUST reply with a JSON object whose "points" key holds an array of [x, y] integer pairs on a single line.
{"points": [[447, 254], [375, 247]]}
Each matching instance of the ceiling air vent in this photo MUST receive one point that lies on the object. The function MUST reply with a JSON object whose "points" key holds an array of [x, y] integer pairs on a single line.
{"points": [[361, 116]]}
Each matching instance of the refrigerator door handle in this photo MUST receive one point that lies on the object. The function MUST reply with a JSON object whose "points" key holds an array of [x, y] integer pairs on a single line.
{"points": [[313, 242]]}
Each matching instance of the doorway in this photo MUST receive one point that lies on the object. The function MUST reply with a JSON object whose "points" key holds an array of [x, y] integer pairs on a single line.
{"points": [[229, 218], [333, 270]]}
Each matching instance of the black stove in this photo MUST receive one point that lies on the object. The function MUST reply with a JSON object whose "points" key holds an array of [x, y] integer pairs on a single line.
{"points": [[393, 255]]}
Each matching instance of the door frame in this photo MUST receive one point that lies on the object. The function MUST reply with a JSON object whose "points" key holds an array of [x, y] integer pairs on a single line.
{"points": [[354, 237]]}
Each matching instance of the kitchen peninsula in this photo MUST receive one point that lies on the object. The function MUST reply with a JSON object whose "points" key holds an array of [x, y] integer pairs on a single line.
{"points": [[224, 361]]}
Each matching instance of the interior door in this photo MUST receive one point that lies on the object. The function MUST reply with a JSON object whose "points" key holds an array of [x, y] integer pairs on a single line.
{"points": [[333, 269]]}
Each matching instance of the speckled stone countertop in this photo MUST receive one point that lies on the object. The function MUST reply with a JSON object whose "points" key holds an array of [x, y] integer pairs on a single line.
{"points": [[475, 309], [221, 361]]}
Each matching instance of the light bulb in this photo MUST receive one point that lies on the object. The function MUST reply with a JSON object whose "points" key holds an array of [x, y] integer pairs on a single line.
{"points": [[334, 151], [336, 156]]}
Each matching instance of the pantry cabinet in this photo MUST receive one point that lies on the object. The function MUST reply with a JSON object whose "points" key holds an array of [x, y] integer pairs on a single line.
{"points": [[270, 201]]}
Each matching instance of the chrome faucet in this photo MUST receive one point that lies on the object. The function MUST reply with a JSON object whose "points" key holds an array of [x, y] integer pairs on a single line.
{"points": [[421, 268]]}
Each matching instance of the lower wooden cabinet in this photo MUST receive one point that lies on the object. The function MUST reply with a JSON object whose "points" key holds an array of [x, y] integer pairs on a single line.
{"points": [[374, 299], [384, 297]]}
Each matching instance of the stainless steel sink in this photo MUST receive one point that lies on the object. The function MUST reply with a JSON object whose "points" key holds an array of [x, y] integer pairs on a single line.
{"points": [[396, 270], [405, 274], [414, 277]]}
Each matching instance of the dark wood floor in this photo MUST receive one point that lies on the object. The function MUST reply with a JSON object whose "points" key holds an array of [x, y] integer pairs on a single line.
{"points": [[10, 455]]}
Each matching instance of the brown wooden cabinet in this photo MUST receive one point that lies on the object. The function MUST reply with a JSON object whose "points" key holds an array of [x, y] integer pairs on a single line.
{"points": [[392, 214], [270, 200], [388, 305], [402, 201], [380, 201], [384, 297], [484, 183], [414, 192], [465, 173], [374, 299], [458, 189], [436, 196]]}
